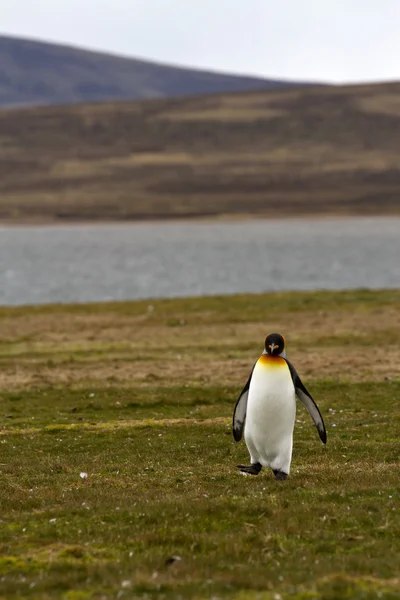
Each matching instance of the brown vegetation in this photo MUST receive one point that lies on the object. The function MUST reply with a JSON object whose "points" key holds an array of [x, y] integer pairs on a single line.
{"points": [[294, 152]]}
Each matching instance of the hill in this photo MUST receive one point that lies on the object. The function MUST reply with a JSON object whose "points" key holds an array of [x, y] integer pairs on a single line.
{"points": [[38, 73], [293, 152]]}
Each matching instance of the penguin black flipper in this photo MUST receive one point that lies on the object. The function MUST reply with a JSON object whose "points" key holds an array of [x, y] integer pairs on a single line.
{"points": [[239, 414], [305, 397]]}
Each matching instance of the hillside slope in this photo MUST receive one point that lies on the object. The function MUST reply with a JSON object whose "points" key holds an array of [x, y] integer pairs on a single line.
{"points": [[304, 151], [37, 73]]}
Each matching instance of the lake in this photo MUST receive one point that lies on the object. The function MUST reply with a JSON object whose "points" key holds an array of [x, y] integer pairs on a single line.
{"points": [[80, 263]]}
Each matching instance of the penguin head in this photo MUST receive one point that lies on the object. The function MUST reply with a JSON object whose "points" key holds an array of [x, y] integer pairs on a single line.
{"points": [[274, 344]]}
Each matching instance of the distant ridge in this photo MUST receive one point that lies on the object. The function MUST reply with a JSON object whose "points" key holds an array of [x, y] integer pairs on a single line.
{"points": [[36, 73]]}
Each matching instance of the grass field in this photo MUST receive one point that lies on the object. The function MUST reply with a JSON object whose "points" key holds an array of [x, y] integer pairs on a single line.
{"points": [[139, 397], [319, 150]]}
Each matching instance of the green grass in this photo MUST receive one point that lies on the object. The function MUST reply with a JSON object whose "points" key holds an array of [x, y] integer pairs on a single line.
{"points": [[152, 432]]}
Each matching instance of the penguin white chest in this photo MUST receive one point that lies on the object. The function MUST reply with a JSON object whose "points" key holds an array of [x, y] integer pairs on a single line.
{"points": [[271, 413]]}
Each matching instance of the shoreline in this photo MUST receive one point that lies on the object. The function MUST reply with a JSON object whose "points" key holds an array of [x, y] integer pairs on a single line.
{"points": [[225, 218]]}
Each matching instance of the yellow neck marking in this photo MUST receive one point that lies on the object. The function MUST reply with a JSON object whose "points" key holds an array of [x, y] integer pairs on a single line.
{"points": [[266, 360]]}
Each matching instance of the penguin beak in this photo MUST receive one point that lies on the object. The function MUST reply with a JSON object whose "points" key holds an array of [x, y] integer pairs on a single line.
{"points": [[273, 346]]}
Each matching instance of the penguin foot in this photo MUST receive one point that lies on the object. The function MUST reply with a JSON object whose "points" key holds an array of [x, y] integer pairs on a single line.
{"points": [[280, 475], [253, 469]]}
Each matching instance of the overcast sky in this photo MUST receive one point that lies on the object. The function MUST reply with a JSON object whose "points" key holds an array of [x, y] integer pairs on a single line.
{"points": [[325, 40]]}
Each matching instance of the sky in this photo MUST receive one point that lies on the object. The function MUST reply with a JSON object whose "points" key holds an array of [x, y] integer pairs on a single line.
{"points": [[338, 41]]}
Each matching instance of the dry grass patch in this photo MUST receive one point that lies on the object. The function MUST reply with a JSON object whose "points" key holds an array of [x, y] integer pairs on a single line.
{"points": [[214, 342]]}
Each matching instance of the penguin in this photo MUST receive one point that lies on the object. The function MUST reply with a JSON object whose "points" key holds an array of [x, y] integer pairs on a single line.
{"points": [[266, 410]]}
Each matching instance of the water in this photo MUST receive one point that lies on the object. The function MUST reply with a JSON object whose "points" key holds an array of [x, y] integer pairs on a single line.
{"points": [[116, 262]]}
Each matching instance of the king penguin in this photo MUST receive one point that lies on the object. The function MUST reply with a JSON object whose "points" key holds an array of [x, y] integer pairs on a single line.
{"points": [[266, 410]]}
